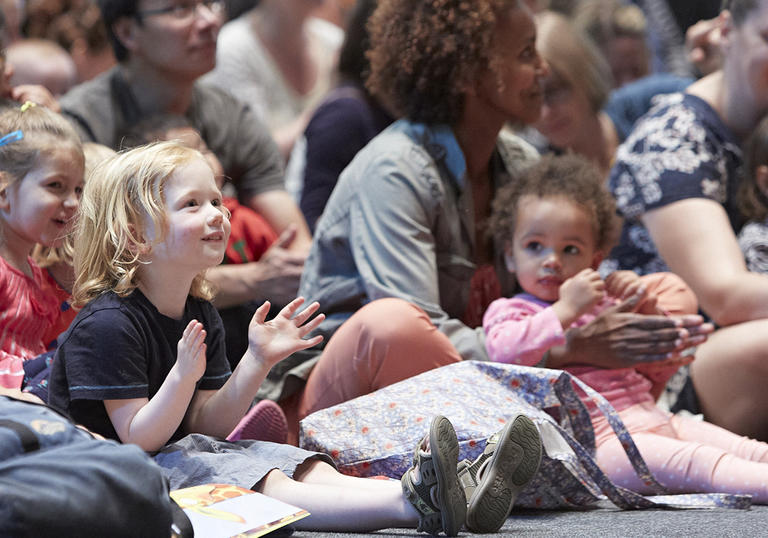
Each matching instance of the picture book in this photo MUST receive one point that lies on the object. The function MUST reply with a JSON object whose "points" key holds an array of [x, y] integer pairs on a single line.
{"points": [[220, 510]]}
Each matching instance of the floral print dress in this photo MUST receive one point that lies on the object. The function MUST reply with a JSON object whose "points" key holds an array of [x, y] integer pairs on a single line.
{"points": [[681, 149]]}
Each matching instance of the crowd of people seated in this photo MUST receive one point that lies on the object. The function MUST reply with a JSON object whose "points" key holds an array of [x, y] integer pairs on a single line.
{"points": [[217, 218]]}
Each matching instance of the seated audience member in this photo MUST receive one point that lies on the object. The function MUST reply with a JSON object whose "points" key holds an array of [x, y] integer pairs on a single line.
{"points": [[57, 261], [401, 259], [11, 17], [42, 62], [81, 32], [250, 235], [674, 180], [41, 177], [753, 200], [574, 92], [14, 95], [162, 51], [280, 60], [343, 124], [619, 31], [557, 224], [579, 114]]}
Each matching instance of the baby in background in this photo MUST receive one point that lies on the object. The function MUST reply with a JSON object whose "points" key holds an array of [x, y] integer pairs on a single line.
{"points": [[556, 223]]}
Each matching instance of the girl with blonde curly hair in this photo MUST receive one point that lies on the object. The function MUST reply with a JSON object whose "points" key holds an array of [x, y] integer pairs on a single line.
{"points": [[144, 361]]}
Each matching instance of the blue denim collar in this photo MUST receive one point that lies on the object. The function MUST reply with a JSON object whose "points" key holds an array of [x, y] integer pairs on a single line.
{"points": [[441, 144]]}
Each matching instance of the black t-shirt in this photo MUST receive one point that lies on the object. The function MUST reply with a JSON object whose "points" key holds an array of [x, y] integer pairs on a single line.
{"points": [[121, 348]]}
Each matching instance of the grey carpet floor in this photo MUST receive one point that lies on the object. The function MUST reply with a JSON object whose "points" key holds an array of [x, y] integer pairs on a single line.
{"points": [[610, 523]]}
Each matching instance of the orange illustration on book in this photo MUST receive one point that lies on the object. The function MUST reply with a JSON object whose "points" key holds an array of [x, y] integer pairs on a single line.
{"points": [[199, 499]]}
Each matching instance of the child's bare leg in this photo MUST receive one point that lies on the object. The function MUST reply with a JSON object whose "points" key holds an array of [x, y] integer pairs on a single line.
{"points": [[352, 504], [319, 472]]}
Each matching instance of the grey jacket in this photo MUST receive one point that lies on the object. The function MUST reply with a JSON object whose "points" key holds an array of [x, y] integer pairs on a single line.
{"points": [[400, 223]]}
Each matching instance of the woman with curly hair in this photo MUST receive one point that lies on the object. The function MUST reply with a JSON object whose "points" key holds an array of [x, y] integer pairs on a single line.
{"points": [[401, 261]]}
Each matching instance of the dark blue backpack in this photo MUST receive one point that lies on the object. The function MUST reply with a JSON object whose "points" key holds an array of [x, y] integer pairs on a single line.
{"points": [[58, 480]]}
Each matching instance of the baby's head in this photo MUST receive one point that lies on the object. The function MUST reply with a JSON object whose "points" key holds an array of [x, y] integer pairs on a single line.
{"points": [[123, 204], [41, 173], [753, 189], [165, 127], [554, 221]]}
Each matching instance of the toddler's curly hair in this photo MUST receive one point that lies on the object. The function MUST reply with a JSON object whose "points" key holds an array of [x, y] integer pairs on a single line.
{"points": [[571, 177]]}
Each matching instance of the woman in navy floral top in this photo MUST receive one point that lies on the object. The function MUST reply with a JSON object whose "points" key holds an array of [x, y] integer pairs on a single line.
{"points": [[674, 181]]}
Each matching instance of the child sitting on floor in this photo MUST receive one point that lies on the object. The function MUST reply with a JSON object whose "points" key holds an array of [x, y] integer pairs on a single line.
{"points": [[151, 223], [57, 261], [556, 223], [41, 178], [250, 237]]}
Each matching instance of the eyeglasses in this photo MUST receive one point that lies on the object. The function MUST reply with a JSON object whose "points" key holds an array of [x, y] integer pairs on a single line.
{"points": [[183, 11]]}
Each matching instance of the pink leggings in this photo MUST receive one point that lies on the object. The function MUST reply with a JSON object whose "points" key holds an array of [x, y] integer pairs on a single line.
{"points": [[685, 455], [384, 342]]}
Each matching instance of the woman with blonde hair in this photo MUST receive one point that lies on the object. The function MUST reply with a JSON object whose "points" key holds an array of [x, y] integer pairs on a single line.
{"points": [[581, 113]]}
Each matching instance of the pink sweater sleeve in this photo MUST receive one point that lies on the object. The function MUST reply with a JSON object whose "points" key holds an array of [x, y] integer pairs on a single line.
{"points": [[520, 332]]}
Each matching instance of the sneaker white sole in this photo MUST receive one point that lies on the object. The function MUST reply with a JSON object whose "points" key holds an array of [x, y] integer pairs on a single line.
{"points": [[512, 466]]}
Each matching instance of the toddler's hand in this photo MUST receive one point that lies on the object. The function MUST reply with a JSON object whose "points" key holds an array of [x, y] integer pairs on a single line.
{"points": [[190, 358], [272, 341], [622, 284], [625, 284], [580, 293]]}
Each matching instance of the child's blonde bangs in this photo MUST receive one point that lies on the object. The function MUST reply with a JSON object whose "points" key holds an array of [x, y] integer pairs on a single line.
{"points": [[121, 194]]}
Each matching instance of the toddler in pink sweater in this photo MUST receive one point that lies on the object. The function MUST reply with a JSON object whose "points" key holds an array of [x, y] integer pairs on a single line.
{"points": [[556, 223]]}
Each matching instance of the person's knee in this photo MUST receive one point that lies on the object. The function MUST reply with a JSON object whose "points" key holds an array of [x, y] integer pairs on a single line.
{"points": [[674, 295], [393, 320], [273, 480]]}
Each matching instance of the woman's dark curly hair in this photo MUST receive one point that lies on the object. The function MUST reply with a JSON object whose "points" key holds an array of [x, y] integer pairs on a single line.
{"points": [[424, 53], [569, 176]]}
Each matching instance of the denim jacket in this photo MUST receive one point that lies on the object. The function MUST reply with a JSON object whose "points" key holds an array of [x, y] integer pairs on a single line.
{"points": [[400, 223]]}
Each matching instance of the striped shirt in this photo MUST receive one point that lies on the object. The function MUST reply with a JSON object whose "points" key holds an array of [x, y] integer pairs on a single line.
{"points": [[26, 314]]}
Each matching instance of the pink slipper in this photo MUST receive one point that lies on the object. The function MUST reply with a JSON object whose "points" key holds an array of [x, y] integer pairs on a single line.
{"points": [[265, 421]]}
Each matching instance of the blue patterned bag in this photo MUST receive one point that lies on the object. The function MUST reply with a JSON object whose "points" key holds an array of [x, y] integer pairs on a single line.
{"points": [[375, 434]]}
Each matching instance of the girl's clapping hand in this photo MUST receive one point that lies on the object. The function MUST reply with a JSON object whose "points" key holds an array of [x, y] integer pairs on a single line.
{"points": [[190, 358], [272, 341]]}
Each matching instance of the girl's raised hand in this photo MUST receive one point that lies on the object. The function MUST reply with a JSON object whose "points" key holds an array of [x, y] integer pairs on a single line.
{"points": [[190, 358], [272, 341]]}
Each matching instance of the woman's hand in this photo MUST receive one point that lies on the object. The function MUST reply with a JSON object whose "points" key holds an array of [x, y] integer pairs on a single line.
{"points": [[272, 341], [620, 338]]}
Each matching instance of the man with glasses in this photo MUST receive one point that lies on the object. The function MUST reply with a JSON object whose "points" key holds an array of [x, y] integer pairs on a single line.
{"points": [[163, 47]]}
